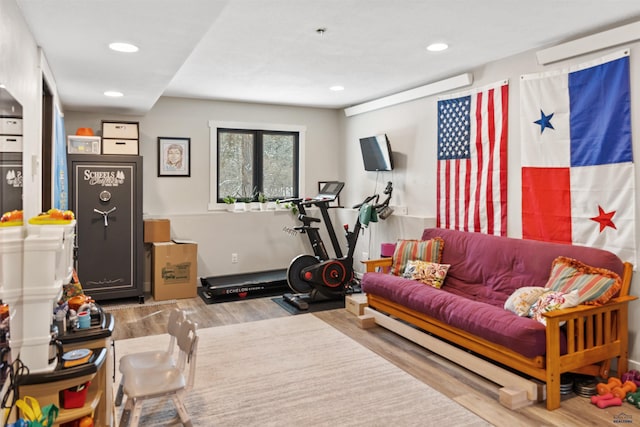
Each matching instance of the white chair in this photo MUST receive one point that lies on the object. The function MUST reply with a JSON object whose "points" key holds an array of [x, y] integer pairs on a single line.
{"points": [[174, 381], [152, 358]]}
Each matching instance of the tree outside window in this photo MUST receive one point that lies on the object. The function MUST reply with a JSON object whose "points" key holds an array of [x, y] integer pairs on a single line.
{"points": [[255, 161]]}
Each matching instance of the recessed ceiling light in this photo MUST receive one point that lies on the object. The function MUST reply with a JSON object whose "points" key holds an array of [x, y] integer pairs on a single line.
{"points": [[113, 94], [123, 47], [437, 47], [336, 88]]}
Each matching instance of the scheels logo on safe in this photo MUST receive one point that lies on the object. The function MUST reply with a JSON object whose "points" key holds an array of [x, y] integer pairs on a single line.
{"points": [[14, 178], [106, 179]]}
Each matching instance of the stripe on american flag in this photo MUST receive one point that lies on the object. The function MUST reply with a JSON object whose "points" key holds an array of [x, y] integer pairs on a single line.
{"points": [[472, 160]]}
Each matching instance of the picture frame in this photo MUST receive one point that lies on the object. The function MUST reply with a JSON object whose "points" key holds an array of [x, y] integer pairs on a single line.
{"points": [[174, 156]]}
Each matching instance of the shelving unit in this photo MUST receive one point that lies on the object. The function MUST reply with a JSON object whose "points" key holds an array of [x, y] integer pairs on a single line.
{"points": [[46, 388]]}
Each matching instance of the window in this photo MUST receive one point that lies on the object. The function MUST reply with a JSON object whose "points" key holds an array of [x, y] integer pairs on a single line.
{"points": [[247, 161]]}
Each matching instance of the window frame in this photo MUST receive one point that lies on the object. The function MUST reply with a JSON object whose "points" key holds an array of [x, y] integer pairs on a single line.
{"points": [[214, 126]]}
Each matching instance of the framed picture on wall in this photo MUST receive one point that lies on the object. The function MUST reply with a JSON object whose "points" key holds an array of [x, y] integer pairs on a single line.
{"points": [[174, 156]]}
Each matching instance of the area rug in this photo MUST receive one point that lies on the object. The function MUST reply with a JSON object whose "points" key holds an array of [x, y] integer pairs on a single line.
{"points": [[298, 371]]}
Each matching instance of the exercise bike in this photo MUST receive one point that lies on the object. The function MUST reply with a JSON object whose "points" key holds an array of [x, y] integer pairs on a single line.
{"points": [[318, 277]]}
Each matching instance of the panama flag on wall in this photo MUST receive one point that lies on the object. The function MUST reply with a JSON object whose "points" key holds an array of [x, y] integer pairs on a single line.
{"points": [[577, 163]]}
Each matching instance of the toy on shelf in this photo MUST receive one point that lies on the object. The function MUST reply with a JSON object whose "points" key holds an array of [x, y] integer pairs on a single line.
{"points": [[10, 219], [53, 217]]}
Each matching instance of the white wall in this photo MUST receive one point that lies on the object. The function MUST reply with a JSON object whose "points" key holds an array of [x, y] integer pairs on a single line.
{"points": [[256, 237], [412, 131], [20, 72]]}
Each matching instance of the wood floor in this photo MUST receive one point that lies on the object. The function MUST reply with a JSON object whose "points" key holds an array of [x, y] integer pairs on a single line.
{"points": [[469, 390]]}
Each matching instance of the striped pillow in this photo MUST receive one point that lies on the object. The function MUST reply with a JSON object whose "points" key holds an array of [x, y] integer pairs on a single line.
{"points": [[595, 286], [421, 250]]}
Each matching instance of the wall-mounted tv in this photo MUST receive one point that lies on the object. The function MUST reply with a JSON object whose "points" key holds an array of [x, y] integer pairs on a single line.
{"points": [[376, 153]]}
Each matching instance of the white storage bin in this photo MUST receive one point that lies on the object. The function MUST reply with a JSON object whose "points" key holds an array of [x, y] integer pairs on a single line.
{"points": [[44, 252], [63, 263], [77, 144], [120, 146], [11, 245], [10, 144], [35, 353], [10, 126], [120, 130]]}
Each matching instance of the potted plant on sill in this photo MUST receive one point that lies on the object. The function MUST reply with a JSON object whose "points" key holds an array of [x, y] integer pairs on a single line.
{"points": [[262, 199], [231, 203], [235, 204], [288, 206]]}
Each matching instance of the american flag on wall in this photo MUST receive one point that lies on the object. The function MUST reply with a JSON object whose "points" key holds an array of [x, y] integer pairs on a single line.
{"points": [[578, 178], [472, 160]]}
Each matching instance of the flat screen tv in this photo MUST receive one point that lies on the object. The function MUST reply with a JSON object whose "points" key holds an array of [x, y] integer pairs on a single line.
{"points": [[376, 153]]}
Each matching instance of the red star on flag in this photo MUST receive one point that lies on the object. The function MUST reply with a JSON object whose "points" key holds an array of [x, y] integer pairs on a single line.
{"points": [[604, 219]]}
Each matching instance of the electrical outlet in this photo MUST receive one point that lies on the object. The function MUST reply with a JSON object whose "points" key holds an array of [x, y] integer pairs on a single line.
{"points": [[365, 256], [234, 258]]}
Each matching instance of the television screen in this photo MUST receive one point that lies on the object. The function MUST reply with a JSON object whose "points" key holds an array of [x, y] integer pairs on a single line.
{"points": [[376, 153]]}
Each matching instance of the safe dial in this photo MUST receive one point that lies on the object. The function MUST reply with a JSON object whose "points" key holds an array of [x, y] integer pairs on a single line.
{"points": [[105, 196]]}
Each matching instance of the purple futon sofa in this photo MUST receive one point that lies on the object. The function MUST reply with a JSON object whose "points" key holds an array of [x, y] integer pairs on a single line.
{"points": [[469, 308]]}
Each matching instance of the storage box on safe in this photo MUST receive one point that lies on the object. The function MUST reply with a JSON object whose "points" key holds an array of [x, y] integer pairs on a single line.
{"points": [[174, 270], [157, 230]]}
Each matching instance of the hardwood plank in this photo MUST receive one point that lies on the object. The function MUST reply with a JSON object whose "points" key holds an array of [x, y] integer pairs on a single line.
{"points": [[465, 387]]}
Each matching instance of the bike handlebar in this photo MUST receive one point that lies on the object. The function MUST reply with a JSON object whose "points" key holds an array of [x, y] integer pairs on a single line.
{"points": [[367, 200]]}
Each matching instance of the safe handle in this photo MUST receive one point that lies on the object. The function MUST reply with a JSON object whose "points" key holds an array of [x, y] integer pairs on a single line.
{"points": [[105, 214]]}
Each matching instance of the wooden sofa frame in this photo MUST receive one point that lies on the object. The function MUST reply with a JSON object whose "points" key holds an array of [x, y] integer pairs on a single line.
{"points": [[595, 335]]}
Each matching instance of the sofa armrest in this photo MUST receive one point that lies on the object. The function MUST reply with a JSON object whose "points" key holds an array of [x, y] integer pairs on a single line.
{"points": [[372, 264], [586, 310], [591, 331]]}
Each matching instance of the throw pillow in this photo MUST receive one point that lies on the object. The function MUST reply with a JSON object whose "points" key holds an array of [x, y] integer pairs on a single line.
{"points": [[522, 299], [553, 300], [422, 250], [596, 286], [429, 273]]}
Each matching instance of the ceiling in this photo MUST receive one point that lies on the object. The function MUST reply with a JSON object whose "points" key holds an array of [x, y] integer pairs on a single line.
{"points": [[269, 51]]}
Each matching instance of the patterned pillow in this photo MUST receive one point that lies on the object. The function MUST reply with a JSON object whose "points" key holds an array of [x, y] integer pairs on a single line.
{"points": [[553, 300], [595, 286], [422, 250], [522, 299], [429, 273]]}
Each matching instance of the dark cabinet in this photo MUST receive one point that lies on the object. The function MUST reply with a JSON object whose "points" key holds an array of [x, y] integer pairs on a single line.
{"points": [[106, 196]]}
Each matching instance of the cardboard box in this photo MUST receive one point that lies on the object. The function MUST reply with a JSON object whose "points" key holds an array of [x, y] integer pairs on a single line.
{"points": [[157, 230], [174, 270]]}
